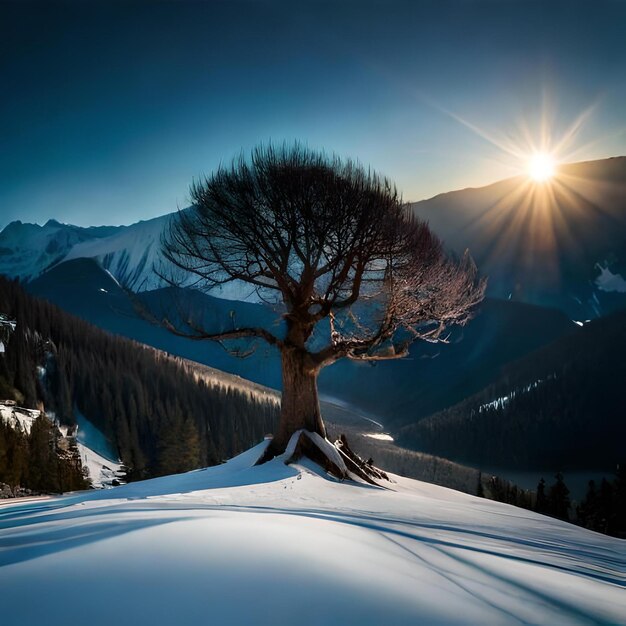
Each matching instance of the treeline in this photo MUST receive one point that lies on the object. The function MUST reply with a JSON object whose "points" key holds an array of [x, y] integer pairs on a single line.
{"points": [[158, 415], [562, 406], [603, 509], [43, 460]]}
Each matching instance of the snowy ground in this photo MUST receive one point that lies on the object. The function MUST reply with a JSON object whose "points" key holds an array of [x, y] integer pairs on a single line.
{"points": [[278, 544], [98, 455], [103, 472]]}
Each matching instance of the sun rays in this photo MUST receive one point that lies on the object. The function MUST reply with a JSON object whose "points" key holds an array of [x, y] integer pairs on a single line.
{"points": [[537, 216]]}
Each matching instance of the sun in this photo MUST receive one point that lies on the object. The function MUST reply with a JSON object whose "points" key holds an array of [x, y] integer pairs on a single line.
{"points": [[541, 167]]}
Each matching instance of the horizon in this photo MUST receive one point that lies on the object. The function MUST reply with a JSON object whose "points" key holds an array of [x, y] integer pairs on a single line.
{"points": [[44, 221]]}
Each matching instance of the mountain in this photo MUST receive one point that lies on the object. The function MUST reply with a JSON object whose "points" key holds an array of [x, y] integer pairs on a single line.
{"points": [[432, 378], [27, 250], [560, 407], [83, 288], [277, 543], [129, 253], [560, 244]]}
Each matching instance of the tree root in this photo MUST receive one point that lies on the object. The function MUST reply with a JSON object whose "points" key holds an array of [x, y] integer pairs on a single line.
{"points": [[363, 469], [337, 459]]}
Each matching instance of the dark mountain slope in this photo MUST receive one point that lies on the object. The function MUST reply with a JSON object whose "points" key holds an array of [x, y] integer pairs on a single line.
{"points": [[544, 243], [84, 289], [160, 414], [434, 377], [560, 407]]}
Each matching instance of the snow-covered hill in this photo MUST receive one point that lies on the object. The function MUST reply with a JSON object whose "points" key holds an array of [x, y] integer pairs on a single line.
{"points": [[278, 544]]}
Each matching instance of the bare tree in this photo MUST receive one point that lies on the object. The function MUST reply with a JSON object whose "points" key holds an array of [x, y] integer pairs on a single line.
{"points": [[335, 247]]}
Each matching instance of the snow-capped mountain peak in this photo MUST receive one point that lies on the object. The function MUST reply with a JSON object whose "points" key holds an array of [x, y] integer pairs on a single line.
{"points": [[130, 254], [28, 250]]}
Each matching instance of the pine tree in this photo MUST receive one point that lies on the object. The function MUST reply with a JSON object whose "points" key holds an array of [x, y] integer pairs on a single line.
{"points": [[587, 511], [558, 499], [480, 492], [541, 503]]}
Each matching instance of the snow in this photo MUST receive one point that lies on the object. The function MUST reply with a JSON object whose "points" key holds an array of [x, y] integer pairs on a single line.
{"points": [[128, 255], [278, 544], [607, 281], [504, 400], [102, 471], [379, 436], [97, 454], [131, 256], [92, 437], [18, 417]]}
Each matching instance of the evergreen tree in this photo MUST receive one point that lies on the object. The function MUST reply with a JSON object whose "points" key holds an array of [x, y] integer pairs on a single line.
{"points": [[558, 498], [606, 506], [480, 492], [541, 502], [588, 510]]}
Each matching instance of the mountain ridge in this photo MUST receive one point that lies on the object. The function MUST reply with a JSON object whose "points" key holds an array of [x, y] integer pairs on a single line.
{"points": [[543, 243], [590, 199]]}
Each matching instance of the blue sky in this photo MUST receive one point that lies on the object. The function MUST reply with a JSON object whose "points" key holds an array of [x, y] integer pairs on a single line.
{"points": [[109, 110]]}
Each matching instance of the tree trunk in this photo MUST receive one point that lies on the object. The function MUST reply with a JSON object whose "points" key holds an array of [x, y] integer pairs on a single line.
{"points": [[300, 407]]}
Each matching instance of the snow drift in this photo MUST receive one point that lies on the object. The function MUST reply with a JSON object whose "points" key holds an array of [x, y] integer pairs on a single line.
{"points": [[273, 544]]}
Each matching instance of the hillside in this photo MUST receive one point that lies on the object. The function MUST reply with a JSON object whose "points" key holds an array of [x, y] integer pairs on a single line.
{"points": [[432, 378], [562, 244], [559, 407], [274, 544], [161, 414]]}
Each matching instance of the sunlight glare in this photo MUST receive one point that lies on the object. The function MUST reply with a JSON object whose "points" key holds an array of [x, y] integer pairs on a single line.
{"points": [[541, 167]]}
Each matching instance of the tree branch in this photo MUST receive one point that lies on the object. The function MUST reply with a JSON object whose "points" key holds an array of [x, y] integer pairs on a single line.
{"points": [[237, 333]]}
